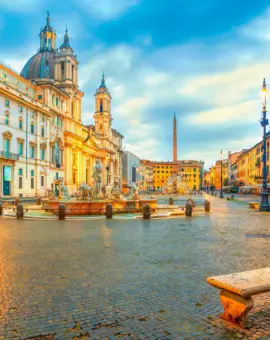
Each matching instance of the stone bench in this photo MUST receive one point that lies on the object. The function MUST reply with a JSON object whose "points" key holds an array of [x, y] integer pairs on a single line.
{"points": [[236, 290], [254, 205]]}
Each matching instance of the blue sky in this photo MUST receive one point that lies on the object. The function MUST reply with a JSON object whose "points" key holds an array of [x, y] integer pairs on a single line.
{"points": [[203, 60]]}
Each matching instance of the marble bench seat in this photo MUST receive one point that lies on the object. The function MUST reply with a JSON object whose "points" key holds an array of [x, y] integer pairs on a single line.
{"points": [[236, 290]]}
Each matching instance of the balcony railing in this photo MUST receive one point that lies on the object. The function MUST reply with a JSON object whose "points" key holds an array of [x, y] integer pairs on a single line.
{"points": [[9, 155]]}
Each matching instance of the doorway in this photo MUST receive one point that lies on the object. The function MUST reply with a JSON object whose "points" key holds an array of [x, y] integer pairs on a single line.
{"points": [[7, 171]]}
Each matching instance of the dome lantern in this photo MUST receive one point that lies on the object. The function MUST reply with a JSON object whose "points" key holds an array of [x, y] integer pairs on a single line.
{"points": [[47, 36]]}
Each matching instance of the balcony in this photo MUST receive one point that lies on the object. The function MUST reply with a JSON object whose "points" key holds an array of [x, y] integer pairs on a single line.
{"points": [[9, 155]]}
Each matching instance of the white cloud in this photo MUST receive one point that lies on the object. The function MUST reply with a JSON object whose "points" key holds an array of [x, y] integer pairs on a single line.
{"points": [[258, 28], [106, 9], [117, 61], [142, 139], [156, 78], [228, 87], [132, 105], [241, 114]]}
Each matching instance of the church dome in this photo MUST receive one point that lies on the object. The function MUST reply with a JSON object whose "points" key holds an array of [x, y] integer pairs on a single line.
{"points": [[40, 65]]}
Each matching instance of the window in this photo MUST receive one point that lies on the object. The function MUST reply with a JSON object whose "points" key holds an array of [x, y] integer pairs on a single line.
{"points": [[72, 70], [6, 118], [134, 175], [20, 123], [42, 131], [20, 109], [101, 105], [32, 128], [57, 121], [6, 145], [20, 149], [57, 101], [32, 173], [57, 154], [42, 181], [61, 123], [42, 154], [20, 172], [6, 103], [53, 99], [32, 183], [61, 104], [20, 182], [56, 175], [53, 151], [32, 151]]}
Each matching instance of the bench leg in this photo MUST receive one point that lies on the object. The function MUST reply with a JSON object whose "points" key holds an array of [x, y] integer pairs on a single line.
{"points": [[235, 307]]}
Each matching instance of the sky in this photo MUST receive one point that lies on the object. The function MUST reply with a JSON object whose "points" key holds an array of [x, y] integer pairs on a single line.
{"points": [[203, 60]]}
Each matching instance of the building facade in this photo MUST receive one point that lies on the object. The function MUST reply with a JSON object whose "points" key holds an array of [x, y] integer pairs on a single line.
{"points": [[244, 168], [131, 169], [146, 175], [43, 140], [191, 172]]}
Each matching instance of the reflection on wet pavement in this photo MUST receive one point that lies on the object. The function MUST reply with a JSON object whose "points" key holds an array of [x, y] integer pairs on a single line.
{"points": [[128, 279]]}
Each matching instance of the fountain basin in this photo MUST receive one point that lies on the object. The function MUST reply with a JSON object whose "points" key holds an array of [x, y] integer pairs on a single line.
{"points": [[98, 207]]}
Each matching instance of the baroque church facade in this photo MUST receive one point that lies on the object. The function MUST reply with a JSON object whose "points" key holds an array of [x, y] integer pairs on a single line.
{"points": [[42, 138]]}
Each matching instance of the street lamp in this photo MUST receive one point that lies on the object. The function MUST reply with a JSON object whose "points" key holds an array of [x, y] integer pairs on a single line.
{"points": [[264, 122], [107, 169], [221, 176], [212, 186]]}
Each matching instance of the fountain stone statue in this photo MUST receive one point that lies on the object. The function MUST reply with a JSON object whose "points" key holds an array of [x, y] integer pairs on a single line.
{"points": [[97, 175], [63, 191], [133, 194], [175, 185]]}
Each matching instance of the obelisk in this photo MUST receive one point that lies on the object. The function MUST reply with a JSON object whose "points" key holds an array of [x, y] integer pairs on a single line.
{"points": [[174, 140]]}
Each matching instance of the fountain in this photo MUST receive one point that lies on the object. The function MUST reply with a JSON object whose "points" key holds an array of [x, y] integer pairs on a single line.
{"points": [[90, 200], [175, 186]]}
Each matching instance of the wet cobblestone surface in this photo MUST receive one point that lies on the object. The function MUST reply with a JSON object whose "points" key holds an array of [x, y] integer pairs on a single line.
{"points": [[129, 279]]}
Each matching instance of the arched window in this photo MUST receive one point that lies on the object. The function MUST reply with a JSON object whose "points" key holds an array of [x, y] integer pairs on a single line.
{"points": [[42, 131], [101, 105]]}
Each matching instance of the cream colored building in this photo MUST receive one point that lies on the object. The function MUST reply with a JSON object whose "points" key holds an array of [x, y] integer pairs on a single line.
{"points": [[147, 175], [43, 139]]}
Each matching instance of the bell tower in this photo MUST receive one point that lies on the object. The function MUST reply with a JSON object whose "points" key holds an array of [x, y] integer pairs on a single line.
{"points": [[66, 66], [102, 116]]}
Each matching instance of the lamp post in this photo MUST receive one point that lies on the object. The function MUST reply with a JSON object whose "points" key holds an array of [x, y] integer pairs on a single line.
{"points": [[212, 187], [264, 122], [107, 169], [221, 177]]}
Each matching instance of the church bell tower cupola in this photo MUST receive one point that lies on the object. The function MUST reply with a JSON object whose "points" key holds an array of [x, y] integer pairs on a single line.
{"points": [[65, 47], [103, 115], [47, 36], [66, 66]]}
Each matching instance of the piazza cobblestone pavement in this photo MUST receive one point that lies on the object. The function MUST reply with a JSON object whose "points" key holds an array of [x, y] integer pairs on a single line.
{"points": [[129, 279]]}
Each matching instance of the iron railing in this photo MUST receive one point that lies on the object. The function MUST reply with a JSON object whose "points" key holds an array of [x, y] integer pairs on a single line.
{"points": [[9, 155]]}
